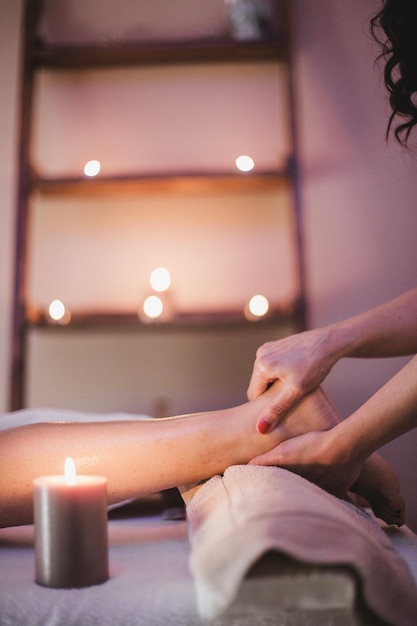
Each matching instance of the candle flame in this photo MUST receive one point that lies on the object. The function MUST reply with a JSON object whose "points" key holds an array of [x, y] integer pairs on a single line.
{"points": [[160, 279], [70, 472]]}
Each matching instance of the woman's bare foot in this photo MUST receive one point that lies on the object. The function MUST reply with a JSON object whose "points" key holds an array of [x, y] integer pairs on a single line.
{"points": [[313, 412], [377, 482]]}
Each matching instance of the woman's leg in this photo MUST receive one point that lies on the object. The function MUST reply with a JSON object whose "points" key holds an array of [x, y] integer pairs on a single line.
{"points": [[143, 456]]}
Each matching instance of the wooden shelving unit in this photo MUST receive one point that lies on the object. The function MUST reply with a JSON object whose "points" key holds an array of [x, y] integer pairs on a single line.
{"points": [[168, 183], [160, 53], [38, 55], [130, 321]]}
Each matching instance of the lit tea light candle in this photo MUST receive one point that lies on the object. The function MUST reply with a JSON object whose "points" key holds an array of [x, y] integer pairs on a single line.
{"points": [[92, 168], [59, 313], [245, 163], [70, 516], [257, 307], [153, 307], [160, 279]]}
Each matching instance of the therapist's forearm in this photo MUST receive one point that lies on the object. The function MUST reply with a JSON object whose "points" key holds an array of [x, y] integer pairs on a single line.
{"points": [[386, 330], [389, 413]]}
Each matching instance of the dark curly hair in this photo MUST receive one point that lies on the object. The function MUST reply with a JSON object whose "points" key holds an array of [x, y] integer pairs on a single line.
{"points": [[395, 28]]}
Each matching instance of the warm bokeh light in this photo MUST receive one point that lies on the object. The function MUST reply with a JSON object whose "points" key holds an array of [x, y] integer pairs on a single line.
{"points": [[245, 163], [92, 168], [160, 279], [258, 305], [153, 307], [58, 312]]}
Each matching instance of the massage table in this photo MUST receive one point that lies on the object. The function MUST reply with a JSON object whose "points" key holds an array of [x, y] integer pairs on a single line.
{"points": [[259, 546]]}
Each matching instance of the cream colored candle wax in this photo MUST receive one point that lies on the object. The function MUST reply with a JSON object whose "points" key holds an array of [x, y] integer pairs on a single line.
{"points": [[71, 543]]}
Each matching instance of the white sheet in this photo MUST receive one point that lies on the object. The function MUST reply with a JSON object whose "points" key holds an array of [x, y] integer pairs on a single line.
{"points": [[34, 416], [151, 585]]}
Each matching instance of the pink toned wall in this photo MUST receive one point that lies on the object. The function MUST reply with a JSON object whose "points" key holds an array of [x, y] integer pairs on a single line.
{"points": [[360, 217], [360, 209]]}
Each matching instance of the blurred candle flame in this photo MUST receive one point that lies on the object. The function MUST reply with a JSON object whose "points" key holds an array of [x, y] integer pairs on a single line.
{"points": [[92, 168], [153, 307], [245, 163], [257, 307], [160, 279], [69, 471]]}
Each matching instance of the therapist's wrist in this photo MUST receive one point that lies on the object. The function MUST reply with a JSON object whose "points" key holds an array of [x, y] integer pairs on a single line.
{"points": [[338, 340], [348, 446]]}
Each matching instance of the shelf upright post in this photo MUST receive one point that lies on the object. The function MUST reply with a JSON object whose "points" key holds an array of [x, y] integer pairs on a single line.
{"points": [[293, 165], [30, 19]]}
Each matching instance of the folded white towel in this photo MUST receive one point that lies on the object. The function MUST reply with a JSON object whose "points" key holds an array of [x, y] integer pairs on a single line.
{"points": [[237, 517]]}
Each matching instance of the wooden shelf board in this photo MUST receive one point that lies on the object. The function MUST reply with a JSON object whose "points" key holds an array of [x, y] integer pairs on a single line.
{"points": [[169, 183], [159, 53], [131, 321]]}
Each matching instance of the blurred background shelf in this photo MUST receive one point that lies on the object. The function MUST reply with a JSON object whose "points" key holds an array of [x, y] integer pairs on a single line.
{"points": [[166, 96]]}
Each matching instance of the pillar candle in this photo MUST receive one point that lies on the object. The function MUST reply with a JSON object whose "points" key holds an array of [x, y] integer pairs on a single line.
{"points": [[70, 517]]}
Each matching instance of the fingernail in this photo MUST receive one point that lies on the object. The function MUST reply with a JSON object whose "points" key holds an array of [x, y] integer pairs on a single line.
{"points": [[264, 426]]}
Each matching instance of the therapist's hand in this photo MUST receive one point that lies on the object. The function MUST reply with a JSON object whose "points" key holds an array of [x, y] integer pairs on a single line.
{"points": [[300, 362], [315, 457]]}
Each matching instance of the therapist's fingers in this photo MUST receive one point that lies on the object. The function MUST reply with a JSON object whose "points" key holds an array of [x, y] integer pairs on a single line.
{"points": [[259, 382], [275, 457], [280, 404]]}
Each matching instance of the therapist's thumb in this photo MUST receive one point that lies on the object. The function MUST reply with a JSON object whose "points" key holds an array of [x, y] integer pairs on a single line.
{"points": [[274, 412]]}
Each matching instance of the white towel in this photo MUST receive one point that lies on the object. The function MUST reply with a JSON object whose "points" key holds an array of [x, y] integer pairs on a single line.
{"points": [[237, 517], [37, 415]]}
